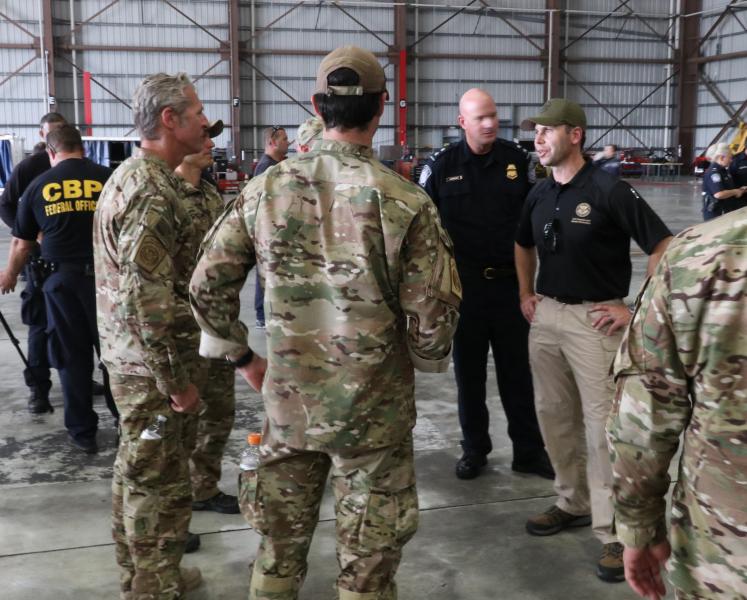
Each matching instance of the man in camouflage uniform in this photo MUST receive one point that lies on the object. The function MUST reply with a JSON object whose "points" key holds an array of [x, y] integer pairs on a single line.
{"points": [[207, 433], [361, 287], [681, 369], [142, 256]]}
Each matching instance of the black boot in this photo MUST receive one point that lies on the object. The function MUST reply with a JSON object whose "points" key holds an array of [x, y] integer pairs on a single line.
{"points": [[39, 402]]}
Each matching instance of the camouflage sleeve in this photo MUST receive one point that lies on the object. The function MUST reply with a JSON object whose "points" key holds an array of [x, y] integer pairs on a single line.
{"points": [[146, 245], [651, 408], [227, 257], [430, 291]]}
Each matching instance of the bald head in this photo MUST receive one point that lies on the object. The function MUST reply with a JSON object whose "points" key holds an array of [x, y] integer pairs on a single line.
{"points": [[478, 117]]}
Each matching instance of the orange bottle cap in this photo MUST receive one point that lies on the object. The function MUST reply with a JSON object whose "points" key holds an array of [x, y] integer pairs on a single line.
{"points": [[254, 439]]}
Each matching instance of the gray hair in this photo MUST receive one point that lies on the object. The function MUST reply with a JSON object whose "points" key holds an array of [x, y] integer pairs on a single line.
{"points": [[720, 149], [155, 93]]}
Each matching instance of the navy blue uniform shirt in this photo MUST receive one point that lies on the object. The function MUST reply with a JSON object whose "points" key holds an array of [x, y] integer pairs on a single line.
{"points": [[265, 162], [479, 198], [594, 216], [60, 203], [717, 179], [738, 169], [25, 172]]}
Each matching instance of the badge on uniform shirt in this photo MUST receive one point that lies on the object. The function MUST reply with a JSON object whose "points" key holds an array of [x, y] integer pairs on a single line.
{"points": [[454, 178], [424, 175], [511, 171], [715, 178], [583, 210]]}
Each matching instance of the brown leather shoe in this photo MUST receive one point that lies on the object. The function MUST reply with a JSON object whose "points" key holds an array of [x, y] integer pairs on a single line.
{"points": [[191, 578], [554, 520]]}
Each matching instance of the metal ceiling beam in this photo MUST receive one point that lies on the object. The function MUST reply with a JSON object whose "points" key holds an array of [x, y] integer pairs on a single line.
{"points": [[17, 24], [439, 26], [18, 70], [365, 28], [597, 24], [552, 48], [716, 23], [80, 25], [47, 45], [717, 57], [687, 83], [235, 70]]}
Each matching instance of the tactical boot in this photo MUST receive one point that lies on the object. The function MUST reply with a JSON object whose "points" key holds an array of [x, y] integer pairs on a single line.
{"points": [[554, 520], [220, 503], [193, 543], [191, 579], [39, 403], [539, 466], [470, 465], [89, 446], [610, 566]]}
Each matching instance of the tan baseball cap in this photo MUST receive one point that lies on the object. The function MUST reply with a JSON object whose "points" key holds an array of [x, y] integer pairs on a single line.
{"points": [[557, 111], [215, 128], [371, 78], [309, 131]]}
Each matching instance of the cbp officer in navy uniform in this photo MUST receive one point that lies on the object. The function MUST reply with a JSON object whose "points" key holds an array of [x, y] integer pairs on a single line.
{"points": [[58, 206], [479, 185], [720, 193], [738, 168]]}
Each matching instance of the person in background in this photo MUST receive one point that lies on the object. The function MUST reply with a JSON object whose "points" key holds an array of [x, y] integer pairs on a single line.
{"points": [[276, 150], [609, 160], [720, 193]]}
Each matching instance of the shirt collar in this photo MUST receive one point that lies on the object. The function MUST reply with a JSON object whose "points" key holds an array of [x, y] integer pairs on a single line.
{"points": [[466, 155], [579, 179], [345, 148]]}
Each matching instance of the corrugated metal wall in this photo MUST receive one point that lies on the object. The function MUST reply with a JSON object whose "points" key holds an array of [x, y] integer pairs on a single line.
{"points": [[290, 41], [728, 77]]}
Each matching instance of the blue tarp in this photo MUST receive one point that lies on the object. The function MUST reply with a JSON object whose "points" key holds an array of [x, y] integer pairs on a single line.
{"points": [[6, 162]]}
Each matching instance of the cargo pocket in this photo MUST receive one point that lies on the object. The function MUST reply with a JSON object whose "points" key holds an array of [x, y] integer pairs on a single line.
{"points": [[144, 460], [250, 500], [389, 519]]}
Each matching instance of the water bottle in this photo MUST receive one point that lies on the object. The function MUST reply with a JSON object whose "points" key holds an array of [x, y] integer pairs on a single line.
{"points": [[250, 456], [154, 430]]}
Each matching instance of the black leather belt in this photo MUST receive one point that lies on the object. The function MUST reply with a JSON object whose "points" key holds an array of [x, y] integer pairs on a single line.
{"points": [[495, 272], [567, 299], [69, 267]]}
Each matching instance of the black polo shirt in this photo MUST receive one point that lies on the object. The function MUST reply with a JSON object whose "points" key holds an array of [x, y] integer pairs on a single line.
{"points": [[479, 198], [597, 215], [738, 169], [60, 203], [25, 172]]}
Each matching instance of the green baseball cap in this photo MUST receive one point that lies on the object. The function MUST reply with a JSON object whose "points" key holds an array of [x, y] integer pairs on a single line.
{"points": [[557, 111]]}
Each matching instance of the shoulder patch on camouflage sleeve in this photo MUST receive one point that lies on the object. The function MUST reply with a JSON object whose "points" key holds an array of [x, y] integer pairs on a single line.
{"points": [[149, 253]]}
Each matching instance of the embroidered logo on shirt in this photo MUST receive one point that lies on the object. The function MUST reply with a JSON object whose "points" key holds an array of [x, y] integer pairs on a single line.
{"points": [[511, 171], [583, 210], [715, 178], [454, 178]]}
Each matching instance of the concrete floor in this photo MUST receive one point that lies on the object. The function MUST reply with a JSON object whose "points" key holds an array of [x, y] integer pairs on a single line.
{"points": [[55, 541]]}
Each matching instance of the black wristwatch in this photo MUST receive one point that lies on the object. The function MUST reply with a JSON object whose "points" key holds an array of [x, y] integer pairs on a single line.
{"points": [[243, 360]]}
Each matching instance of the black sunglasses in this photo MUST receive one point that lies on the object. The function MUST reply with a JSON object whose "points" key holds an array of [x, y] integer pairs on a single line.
{"points": [[551, 235]]}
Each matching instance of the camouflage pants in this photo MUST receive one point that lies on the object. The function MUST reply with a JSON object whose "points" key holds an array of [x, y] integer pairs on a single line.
{"points": [[151, 494], [208, 433], [376, 505]]}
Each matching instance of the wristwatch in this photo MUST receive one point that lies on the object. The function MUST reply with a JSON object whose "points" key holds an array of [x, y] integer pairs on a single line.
{"points": [[243, 360]]}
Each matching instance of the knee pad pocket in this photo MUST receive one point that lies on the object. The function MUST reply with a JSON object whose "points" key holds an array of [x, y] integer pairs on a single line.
{"points": [[388, 520]]}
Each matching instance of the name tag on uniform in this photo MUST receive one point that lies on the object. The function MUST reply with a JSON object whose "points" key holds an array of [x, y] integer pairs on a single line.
{"points": [[454, 178]]}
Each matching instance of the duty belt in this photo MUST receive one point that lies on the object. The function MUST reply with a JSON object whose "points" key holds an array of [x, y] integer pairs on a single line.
{"points": [[70, 267]]}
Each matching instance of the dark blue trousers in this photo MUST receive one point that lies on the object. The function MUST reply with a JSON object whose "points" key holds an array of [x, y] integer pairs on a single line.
{"points": [[490, 318], [33, 314], [73, 337]]}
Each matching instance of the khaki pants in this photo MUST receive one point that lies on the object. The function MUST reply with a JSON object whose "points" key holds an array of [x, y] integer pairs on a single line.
{"points": [[573, 392]]}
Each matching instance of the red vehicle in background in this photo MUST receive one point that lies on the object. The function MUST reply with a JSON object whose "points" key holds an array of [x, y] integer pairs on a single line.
{"points": [[631, 161]]}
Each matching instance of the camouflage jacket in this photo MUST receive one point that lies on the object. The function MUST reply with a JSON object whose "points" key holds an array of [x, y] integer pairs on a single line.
{"points": [[204, 206], [682, 368], [360, 286], [144, 252]]}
